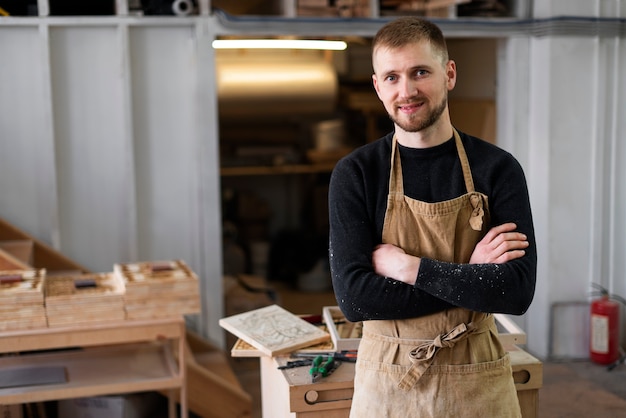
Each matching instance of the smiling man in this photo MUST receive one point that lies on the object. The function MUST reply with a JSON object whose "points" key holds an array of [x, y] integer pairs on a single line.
{"points": [[430, 233]]}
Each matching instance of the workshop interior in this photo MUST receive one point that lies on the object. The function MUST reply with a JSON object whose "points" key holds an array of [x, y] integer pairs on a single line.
{"points": [[165, 168]]}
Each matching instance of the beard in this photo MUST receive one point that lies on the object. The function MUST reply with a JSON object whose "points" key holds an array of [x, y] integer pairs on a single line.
{"points": [[416, 124]]}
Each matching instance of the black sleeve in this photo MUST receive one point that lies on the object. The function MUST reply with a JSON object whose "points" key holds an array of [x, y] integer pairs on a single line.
{"points": [[354, 216], [497, 288]]}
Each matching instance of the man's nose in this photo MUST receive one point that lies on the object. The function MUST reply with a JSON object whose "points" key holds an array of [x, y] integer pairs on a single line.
{"points": [[408, 88]]}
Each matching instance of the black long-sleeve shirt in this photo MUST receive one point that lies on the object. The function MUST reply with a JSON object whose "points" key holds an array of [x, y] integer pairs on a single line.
{"points": [[357, 203]]}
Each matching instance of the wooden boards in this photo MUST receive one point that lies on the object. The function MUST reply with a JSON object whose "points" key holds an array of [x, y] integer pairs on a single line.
{"points": [[31, 298], [273, 330], [84, 298], [22, 299], [159, 289]]}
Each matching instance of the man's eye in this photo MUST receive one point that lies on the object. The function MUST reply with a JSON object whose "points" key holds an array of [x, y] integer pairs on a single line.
{"points": [[391, 78], [421, 73]]}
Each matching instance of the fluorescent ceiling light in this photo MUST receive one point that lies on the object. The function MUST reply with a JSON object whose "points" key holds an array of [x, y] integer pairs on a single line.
{"points": [[278, 44]]}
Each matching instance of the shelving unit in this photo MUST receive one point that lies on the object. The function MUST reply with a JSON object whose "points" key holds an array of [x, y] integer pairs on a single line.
{"points": [[111, 358]]}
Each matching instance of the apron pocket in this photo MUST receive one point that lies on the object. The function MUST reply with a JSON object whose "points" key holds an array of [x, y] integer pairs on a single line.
{"points": [[466, 390]]}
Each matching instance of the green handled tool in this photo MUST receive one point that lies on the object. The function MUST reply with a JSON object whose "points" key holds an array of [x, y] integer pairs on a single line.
{"points": [[322, 367]]}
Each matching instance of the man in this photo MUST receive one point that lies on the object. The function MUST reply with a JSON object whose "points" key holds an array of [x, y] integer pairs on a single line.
{"points": [[430, 233]]}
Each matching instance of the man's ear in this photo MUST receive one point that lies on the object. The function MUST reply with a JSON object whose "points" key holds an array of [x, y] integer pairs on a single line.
{"points": [[375, 83], [451, 74]]}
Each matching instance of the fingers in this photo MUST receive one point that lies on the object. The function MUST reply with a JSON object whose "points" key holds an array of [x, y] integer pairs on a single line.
{"points": [[500, 229], [501, 244], [509, 256], [506, 236]]}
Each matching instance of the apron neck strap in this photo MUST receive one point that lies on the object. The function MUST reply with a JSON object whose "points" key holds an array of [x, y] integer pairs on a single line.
{"points": [[395, 178], [467, 173]]}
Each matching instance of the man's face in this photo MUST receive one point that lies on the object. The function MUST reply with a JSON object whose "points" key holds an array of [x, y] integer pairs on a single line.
{"points": [[413, 84]]}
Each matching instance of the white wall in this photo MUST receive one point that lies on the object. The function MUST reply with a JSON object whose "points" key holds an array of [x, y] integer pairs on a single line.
{"points": [[561, 114]]}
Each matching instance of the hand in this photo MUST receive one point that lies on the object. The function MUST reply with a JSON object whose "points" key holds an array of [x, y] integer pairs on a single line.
{"points": [[501, 244], [392, 262]]}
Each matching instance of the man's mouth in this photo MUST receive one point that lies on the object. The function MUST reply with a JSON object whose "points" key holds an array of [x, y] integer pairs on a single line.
{"points": [[410, 107]]}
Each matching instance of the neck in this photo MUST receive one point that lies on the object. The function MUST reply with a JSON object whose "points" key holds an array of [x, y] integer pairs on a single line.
{"points": [[426, 138]]}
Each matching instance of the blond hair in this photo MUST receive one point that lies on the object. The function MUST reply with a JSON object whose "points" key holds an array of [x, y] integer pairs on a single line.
{"points": [[408, 30]]}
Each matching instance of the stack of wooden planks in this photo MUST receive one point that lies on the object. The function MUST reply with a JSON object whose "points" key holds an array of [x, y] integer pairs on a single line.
{"points": [[84, 298], [429, 8], [334, 8], [157, 289], [22, 299]]}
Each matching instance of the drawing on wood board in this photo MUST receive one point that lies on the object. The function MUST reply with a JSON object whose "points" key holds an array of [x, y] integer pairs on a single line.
{"points": [[274, 330]]}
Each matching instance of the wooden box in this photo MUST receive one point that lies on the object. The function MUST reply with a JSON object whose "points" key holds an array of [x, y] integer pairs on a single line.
{"points": [[345, 335], [528, 378], [290, 392]]}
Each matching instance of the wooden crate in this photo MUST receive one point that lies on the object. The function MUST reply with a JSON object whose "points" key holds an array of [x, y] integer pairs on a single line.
{"points": [[346, 335]]}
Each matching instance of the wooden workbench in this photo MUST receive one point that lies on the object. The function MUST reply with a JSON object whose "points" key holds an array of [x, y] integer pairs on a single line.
{"points": [[290, 393]]}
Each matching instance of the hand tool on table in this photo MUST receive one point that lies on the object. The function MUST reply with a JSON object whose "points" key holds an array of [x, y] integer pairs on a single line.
{"points": [[348, 355], [296, 363], [322, 366]]}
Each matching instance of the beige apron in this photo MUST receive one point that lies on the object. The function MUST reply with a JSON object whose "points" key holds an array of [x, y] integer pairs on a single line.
{"points": [[449, 364]]}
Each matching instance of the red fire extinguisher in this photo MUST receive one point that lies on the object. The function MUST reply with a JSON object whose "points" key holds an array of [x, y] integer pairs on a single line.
{"points": [[605, 327]]}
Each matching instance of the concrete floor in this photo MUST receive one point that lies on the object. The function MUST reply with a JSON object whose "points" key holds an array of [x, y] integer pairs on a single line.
{"points": [[582, 390], [577, 389]]}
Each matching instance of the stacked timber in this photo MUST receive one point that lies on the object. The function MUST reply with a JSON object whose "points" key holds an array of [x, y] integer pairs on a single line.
{"points": [[334, 8], [83, 299], [22, 299], [429, 8], [158, 289]]}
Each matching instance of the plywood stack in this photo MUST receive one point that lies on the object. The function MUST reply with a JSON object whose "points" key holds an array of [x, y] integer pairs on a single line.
{"points": [[85, 298], [159, 289], [430, 8], [22, 299], [336, 8]]}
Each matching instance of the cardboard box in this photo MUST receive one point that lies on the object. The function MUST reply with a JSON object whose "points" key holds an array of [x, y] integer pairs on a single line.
{"points": [[137, 405]]}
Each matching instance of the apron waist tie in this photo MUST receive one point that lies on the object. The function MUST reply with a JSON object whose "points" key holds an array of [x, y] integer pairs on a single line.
{"points": [[423, 355]]}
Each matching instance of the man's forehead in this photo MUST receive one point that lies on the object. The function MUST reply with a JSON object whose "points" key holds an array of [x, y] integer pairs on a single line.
{"points": [[414, 54]]}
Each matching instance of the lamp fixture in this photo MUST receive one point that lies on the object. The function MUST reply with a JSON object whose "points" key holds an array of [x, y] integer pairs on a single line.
{"points": [[279, 44]]}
